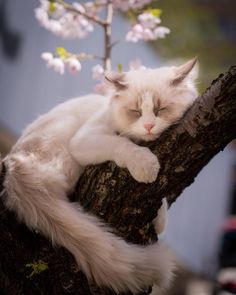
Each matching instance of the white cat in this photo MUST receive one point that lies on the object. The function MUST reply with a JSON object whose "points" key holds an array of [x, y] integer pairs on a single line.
{"points": [[46, 162]]}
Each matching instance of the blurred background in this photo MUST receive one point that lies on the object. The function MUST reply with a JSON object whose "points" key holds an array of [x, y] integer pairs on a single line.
{"points": [[201, 229]]}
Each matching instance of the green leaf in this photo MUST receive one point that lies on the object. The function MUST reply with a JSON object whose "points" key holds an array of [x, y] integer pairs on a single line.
{"points": [[62, 52], [120, 68], [131, 15], [51, 7], [146, 228], [155, 12], [37, 267]]}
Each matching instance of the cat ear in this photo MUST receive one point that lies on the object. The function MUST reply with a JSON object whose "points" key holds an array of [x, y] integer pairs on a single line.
{"points": [[117, 79], [186, 70]]}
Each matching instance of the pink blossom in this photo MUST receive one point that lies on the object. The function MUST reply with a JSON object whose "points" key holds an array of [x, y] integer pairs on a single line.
{"points": [[57, 65], [147, 20], [56, 27], [131, 37], [146, 29], [135, 34], [160, 32], [44, 4], [148, 34], [73, 65], [63, 23], [98, 72], [47, 56], [54, 63], [101, 88], [136, 64]]}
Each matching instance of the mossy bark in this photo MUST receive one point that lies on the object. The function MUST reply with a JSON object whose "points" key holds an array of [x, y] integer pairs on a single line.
{"points": [[128, 206]]}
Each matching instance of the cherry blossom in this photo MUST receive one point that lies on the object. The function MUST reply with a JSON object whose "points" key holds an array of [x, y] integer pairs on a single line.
{"points": [[73, 65], [98, 72], [101, 88], [147, 20], [47, 56], [57, 65], [66, 24], [147, 28], [136, 64], [160, 32]]}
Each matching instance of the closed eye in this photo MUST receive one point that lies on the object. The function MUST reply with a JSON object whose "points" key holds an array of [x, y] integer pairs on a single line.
{"points": [[137, 113], [158, 110]]}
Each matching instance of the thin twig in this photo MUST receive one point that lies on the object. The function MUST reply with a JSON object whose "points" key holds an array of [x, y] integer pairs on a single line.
{"points": [[106, 25], [84, 56], [107, 32], [71, 8], [113, 44]]}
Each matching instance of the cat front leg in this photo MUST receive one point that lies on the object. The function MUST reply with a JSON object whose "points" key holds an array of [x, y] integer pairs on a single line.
{"points": [[92, 146], [142, 164]]}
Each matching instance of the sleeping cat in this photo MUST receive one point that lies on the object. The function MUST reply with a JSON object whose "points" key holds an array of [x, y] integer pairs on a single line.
{"points": [[45, 163]]}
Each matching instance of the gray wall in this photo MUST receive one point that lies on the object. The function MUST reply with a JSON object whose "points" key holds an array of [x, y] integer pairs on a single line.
{"points": [[28, 88]]}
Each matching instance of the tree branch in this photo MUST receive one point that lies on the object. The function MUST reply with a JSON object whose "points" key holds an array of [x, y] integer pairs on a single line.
{"points": [[71, 8], [107, 37], [111, 193]]}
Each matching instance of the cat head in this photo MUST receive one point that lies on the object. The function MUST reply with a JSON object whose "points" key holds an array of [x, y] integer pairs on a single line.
{"points": [[145, 102]]}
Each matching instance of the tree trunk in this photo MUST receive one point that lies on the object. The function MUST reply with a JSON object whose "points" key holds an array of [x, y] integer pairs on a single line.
{"points": [[128, 206]]}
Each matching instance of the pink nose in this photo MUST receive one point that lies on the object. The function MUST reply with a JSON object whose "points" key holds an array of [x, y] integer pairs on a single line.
{"points": [[148, 126]]}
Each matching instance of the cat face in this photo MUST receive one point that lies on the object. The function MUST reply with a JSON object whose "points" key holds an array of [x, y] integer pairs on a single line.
{"points": [[146, 102]]}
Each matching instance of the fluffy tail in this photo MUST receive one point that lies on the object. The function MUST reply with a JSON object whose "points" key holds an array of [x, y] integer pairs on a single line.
{"points": [[1, 167], [36, 192], [2, 174]]}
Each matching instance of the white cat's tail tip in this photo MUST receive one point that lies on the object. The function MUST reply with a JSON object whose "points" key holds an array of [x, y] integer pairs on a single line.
{"points": [[1, 170], [168, 264]]}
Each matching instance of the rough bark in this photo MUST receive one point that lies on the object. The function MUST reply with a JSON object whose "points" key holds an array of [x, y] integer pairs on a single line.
{"points": [[129, 207]]}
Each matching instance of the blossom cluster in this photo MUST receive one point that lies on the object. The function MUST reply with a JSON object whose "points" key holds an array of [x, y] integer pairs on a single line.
{"points": [[76, 19], [147, 28], [67, 24], [76, 22], [58, 64]]}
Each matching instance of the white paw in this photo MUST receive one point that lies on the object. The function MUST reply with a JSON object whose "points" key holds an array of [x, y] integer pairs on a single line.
{"points": [[143, 165]]}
